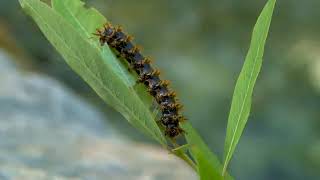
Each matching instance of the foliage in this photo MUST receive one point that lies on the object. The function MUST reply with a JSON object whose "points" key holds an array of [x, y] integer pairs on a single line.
{"points": [[68, 25], [241, 101]]}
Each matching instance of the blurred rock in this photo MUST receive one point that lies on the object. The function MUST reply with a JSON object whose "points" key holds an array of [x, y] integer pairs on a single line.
{"points": [[47, 132]]}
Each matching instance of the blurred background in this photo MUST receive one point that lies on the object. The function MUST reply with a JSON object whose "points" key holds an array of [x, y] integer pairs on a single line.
{"points": [[200, 46]]}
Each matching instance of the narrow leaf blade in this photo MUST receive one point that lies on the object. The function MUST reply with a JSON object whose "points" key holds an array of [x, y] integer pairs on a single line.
{"points": [[86, 21], [241, 101], [86, 59]]}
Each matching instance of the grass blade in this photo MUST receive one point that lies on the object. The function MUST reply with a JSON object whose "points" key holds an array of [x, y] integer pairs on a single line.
{"points": [[241, 101]]}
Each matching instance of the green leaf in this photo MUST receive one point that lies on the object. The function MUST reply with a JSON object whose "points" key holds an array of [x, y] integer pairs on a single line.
{"points": [[86, 21], [241, 101], [209, 166], [87, 59]]}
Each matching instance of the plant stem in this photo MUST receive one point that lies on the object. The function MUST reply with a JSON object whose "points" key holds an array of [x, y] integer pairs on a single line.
{"points": [[181, 154], [187, 159]]}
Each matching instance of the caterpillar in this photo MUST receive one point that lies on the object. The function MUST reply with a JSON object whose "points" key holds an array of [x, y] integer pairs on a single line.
{"points": [[165, 98]]}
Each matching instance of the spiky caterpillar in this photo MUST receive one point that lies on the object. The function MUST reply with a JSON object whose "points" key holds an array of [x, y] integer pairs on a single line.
{"points": [[166, 98]]}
